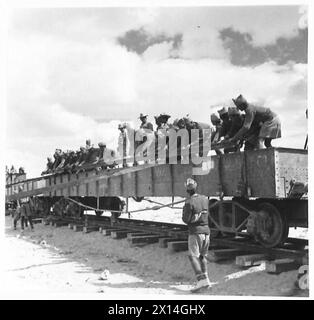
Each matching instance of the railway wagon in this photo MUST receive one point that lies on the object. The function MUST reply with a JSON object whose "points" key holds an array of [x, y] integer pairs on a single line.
{"points": [[259, 193]]}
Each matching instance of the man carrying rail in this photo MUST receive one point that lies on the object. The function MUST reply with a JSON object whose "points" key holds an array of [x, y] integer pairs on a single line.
{"points": [[270, 126], [195, 215]]}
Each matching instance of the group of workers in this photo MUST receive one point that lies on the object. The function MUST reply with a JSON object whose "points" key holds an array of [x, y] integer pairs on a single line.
{"points": [[255, 128], [243, 124], [24, 210], [74, 161]]}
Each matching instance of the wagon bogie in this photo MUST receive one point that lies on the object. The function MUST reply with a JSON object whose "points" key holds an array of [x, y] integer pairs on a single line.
{"points": [[268, 225], [267, 220]]}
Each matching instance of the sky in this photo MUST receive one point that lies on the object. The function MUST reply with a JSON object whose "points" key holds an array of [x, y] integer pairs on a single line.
{"points": [[76, 73]]}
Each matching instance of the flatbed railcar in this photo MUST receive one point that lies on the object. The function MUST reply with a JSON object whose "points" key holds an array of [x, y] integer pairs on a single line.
{"points": [[259, 193]]}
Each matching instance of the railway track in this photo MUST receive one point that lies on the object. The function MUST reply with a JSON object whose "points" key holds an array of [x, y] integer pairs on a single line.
{"points": [[244, 250]]}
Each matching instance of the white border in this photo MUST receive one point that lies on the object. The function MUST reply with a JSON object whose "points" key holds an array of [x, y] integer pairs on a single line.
{"points": [[7, 5]]}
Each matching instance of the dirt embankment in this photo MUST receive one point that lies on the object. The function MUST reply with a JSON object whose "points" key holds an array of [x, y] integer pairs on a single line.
{"points": [[58, 260]]}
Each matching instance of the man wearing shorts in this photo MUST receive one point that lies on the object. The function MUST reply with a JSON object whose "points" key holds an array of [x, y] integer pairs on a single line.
{"points": [[266, 122], [195, 215]]}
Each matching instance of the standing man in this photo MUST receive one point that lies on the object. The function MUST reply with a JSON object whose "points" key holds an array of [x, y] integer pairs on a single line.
{"points": [[83, 156], [100, 157], [216, 131], [226, 122], [144, 123], [16, 215], [18, 212], [123, 143], [270, 126], [147, 133], [57, 159], [88, 144], [195, 215], [27, 207], [49, 167], [162, 121], [236, 124], [216, 122]]}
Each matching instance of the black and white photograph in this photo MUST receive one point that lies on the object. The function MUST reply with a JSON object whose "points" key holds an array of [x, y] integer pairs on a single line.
{"points": [[155, 151]]}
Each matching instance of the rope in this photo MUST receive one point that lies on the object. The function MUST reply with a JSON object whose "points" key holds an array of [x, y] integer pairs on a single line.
{"points": [[151, 201], [119, 211]]}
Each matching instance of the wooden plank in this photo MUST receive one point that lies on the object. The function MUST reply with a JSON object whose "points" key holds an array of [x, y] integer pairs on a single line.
{"points": [[104, 227], [144, 239], [60, 224], [177, 246], [251, 260], [282, 265], [107, 232], [90, 229], [249, 247], [45, 222], [137, 233], [163, 242], [77, 227], [298, 241], [223, 254], [178, 234], [37, 220], [119, 234]]}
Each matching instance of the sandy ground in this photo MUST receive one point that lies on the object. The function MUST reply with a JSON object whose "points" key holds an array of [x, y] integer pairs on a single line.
{"points": [[59, 261]]}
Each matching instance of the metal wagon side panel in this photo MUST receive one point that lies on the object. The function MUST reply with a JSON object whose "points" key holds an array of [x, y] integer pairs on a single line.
{"points": [[114, 186], [180, 173], [209, 184], [129, 184], [231, 168], [145, 182], [261, 173], [92, 185], [291, 164], [73, 189], [162, 181]]}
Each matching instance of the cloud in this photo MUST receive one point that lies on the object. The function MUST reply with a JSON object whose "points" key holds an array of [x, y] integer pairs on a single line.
{"points": [[264, 23], [160, 51], [140, 40], [303, 21], [85, 25], [243, 52], [41, 134], [64, 88], [81, 77]]}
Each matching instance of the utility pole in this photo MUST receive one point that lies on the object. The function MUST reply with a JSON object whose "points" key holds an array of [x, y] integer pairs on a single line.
{"points": [[305, 144]]}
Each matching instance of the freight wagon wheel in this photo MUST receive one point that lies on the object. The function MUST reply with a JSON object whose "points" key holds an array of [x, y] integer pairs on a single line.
{"points": [[271, 226]]}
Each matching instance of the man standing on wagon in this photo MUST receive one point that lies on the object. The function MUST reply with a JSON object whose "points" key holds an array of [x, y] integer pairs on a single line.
{"points": [[195, 215], [270, 126], [147, 134]]}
